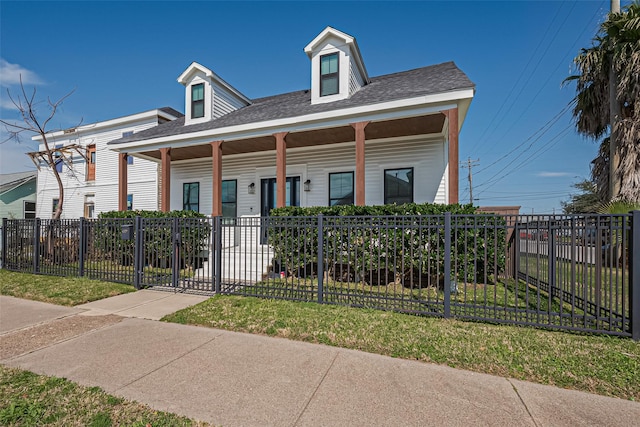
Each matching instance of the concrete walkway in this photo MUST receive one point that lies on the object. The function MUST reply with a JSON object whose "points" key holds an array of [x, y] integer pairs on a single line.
{"points": [[236, 379]]}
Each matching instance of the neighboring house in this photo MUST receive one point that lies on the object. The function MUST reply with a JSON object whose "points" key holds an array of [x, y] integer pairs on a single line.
{"points": [[18, 195], [90, 178], [350, 139]]}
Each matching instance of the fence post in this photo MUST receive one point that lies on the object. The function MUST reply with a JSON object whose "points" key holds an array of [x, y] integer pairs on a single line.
{"points": [[447, 264], [516, 250], [551, 244], [36, 246], [634, 276], [175, 242], [3, 261], [217, 251], [138, 252], [320, 259], [82, 237]]}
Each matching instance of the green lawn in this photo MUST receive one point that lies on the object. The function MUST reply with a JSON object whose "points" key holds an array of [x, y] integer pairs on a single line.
{"points": [[27, 399], [58, 290], [504, 299], [602, 285], [597, 364]]}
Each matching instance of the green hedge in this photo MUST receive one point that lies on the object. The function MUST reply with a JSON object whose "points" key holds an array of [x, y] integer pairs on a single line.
{"points": [[194, 230], [389, 243]]}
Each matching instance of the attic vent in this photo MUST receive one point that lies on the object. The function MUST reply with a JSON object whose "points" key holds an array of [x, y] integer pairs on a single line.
{"points": [[71, 130]]}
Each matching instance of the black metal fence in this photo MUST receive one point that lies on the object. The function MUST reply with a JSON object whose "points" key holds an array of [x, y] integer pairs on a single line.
{"points": [[567, 272]]}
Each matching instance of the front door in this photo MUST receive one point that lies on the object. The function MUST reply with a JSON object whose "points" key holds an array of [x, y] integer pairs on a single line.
{"points": [[268, 194], [268, 198]]}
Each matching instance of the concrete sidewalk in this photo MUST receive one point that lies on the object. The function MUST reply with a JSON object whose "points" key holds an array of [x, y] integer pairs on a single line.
{"points": [[236, 379]]}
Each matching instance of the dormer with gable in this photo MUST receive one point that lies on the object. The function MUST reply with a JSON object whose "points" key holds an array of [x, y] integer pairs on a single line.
{"points": [[207, 96], [337, 69]]}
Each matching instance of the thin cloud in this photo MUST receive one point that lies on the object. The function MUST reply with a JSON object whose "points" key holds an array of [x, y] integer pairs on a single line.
{"points": [[552, 174], [11, 73]]}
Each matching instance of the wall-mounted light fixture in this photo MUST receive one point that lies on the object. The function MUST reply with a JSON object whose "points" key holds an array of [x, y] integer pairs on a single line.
{"points": [[307, 185], [252, 188]]}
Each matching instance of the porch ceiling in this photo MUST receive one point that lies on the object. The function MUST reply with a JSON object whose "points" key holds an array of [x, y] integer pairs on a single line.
{"points": [[421, 125]]}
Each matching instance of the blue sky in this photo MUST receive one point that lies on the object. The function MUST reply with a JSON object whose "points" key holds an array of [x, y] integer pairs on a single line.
{"points": [[124, 57]]}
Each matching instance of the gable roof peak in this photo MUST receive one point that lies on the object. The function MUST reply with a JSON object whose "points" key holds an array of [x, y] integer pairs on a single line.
{"points": [[194, 67], [329, 31], [347, 39], [185, 79]]}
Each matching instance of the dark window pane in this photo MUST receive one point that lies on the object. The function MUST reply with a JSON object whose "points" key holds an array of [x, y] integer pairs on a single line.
{"points": [[197, 101], [329, 85], [398, 186], [198, 109], [341, 188], [329, 74], [191, 196], [197, 92], [329, 64], [229, 198]]}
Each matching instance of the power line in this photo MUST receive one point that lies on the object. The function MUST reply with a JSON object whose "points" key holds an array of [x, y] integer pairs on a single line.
{"points": [[551, 74], [469, 165], [520, 75], [554, 140], [543, 129]]}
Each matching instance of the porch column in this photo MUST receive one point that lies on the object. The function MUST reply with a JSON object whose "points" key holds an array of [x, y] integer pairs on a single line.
{"points": [[452, 115], [216, 170], [123, 182], [360, 137], [281, 169], [165, 189]]}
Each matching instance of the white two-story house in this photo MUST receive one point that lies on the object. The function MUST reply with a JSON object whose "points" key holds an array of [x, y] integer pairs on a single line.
{"points": [[348, 139], [89, 170]]}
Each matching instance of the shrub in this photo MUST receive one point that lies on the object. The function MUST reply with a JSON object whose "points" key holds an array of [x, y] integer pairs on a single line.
{"points": [[194, 229], [379, 244]]}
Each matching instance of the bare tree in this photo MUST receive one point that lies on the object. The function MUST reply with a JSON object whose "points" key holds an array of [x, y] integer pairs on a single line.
{"points": [[34, 123]]}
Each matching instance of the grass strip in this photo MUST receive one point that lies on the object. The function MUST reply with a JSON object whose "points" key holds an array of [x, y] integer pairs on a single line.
{"points": [[603, 365], [27, 399], [67, 291]]}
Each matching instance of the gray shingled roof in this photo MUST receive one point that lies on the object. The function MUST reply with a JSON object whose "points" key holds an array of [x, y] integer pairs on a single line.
{"points": [[390, 87]]}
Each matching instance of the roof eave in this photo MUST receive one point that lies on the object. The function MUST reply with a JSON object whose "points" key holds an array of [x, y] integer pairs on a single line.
{"points": [[421, 104], [107, 123]]}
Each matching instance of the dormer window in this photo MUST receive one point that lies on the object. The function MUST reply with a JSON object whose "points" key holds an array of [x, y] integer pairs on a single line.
{"points": [[329, 84], [337, 70], [197, 101], [207, 96]]}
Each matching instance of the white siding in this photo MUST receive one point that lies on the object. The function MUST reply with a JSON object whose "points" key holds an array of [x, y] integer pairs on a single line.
{"points": [[355, 78], [224, 101], [426, 157], [141, 175]]}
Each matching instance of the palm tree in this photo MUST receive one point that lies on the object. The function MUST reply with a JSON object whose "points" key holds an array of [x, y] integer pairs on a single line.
{"points": [[617, 43]]}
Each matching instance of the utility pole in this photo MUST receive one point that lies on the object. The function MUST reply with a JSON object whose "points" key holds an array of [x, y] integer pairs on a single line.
{"points": [[614, 113], [469, 165]]}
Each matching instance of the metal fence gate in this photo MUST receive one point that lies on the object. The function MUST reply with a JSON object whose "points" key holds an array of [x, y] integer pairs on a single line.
{"points": [[572, 272]]}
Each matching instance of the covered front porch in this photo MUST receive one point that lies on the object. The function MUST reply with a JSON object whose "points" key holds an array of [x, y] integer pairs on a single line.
{"points": [[439, 126]]}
